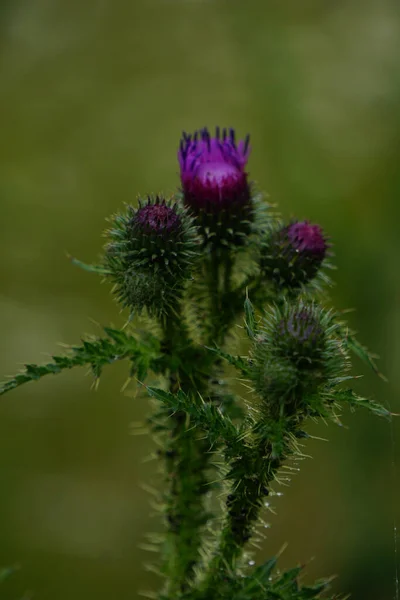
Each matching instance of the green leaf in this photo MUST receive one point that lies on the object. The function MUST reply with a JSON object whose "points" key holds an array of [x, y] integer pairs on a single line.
{"points": [[203, 414], [249, 318], [99, 269], [313, 591], [260, 576], [355, 401], [288, 579], [95, 352], [237, 361], [364, 354]]}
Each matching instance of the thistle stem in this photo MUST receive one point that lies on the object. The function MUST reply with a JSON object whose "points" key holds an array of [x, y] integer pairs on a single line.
{"points": [[185, 512], [228, 264], [222, 309], [213, 285], [251, 476], [186, 463]]}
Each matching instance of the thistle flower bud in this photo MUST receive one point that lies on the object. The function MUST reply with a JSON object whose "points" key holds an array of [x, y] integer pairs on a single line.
{"points": [[292, 255], [214, 184], [277, 379], [150, 254], [297, 350], [157, 220], [300, 334]]}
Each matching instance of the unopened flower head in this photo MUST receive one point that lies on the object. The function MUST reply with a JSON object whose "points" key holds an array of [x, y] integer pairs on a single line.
{"points": [[293, 254], [156, 218], [302, 327], [214, 179], [151, 252], [308, 240], [297, 350]]}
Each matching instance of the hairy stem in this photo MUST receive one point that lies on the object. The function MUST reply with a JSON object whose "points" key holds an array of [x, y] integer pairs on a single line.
{"points": [[224, 304], [213, 285], [186, 463], [185, 511], [251, 475]]}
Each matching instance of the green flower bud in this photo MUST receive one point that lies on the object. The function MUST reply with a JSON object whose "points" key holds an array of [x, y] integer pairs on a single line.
{"points": [[293, 255], [296, 352], [150, 254]]}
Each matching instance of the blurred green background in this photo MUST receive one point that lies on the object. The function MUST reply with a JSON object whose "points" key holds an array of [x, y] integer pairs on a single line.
{"points": [[93, 97]]}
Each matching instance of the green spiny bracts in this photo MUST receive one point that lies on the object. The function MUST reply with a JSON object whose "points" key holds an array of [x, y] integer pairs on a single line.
{"points": [[293, 255], [150, 254], [297, 351]]}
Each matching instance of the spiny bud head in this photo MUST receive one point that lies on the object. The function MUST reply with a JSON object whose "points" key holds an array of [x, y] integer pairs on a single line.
{"points": [[297, 350], [150, 253], [293, 254], [214, 183], [300, 334]]}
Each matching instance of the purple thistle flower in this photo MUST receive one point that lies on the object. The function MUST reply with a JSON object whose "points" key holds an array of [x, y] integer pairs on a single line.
{"points": [[213, 170]]}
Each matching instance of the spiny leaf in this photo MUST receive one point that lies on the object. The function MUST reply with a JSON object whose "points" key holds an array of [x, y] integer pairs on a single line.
{"points": [[236, 361], [355, 401], [249, 318], [99, 269], [364, 354], [96, 353], [313, 591], [260, 575], [205, 415], [288, 579]]}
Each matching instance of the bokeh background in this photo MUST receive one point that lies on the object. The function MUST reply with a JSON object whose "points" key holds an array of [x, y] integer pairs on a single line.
{"points": [[93, 97]]}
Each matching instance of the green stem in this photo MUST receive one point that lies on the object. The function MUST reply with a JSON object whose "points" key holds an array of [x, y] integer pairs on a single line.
{"points": [[223, 307], [186, 463], [251, 476], [185, 513], [228, 264], [214, 294]]}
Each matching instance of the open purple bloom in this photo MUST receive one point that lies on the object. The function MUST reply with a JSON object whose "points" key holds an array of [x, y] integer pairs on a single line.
{"points": [[213, 170]]}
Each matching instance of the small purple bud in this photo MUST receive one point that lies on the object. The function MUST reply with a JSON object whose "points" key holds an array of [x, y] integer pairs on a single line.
{"points": [[301, 326], [157, 218], [293, 254], [151, 252], [300, 336], [308, 240]]}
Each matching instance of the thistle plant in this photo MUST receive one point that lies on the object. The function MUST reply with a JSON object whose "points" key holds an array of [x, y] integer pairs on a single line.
{"points": [[202, 272]]}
